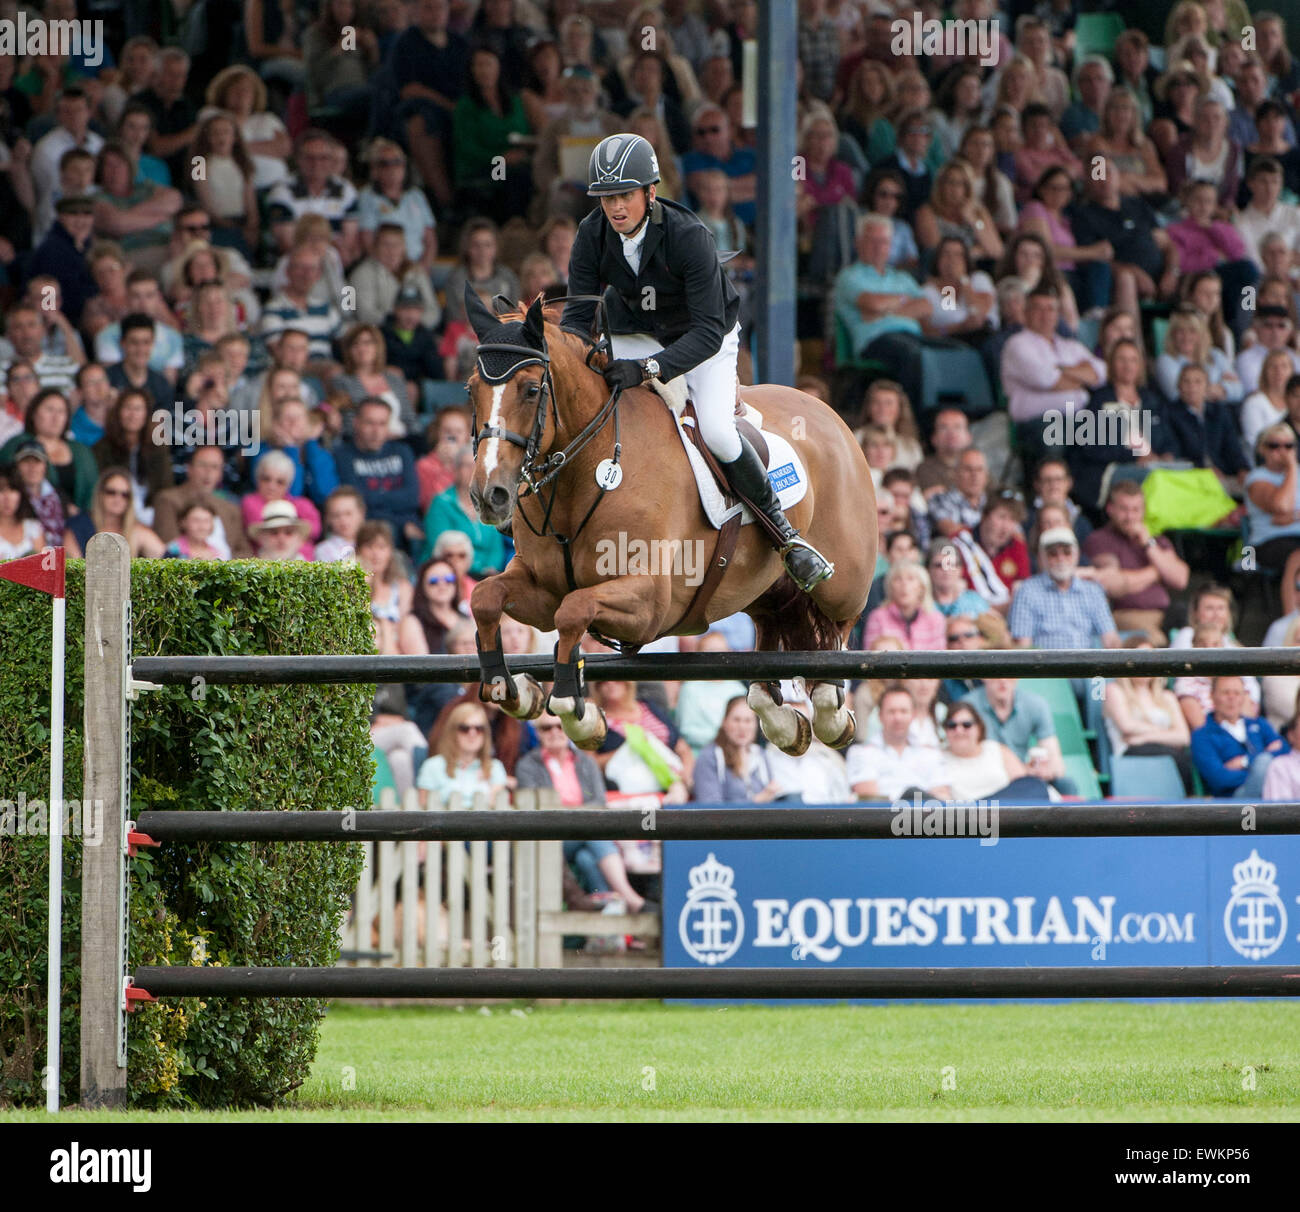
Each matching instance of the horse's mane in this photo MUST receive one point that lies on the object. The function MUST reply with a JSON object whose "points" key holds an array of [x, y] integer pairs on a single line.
{"points": [[552, 313]]}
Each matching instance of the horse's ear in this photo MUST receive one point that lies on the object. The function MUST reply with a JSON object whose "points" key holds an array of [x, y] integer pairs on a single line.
{"points": [[501, 305], [535, 326], [481, 320]]}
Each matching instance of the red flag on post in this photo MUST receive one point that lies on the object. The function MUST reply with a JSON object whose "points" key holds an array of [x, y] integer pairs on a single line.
{"points": [[43, 571]]}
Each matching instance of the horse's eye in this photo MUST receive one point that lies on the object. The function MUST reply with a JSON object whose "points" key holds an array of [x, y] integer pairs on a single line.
{"points": [[532, 389]]}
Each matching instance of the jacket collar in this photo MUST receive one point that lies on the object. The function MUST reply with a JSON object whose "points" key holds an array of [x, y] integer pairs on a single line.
{"points": [[654, 231]]}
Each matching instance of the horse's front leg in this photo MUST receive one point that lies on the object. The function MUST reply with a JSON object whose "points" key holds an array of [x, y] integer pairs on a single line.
{"points": [[629, 607], [517, 593]]}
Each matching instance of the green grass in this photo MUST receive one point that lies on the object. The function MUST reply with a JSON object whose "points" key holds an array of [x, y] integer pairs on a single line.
{"points": [[1082, 1061]]}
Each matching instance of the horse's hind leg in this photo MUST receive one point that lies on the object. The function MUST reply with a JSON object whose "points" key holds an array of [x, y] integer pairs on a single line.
{"points": [[785, 727], [833, 721]]}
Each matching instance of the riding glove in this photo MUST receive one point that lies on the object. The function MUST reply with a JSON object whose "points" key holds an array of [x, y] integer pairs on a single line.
{"points": [[624, 373]]}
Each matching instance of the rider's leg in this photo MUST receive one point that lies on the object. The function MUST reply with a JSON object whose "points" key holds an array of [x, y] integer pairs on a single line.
{"points": [[712, 385]]}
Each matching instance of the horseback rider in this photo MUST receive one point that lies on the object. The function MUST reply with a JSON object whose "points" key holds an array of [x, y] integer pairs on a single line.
{"points": [[672, 311]]}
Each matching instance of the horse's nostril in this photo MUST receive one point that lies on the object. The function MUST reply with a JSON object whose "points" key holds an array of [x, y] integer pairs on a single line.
{"points": [[498, 497]]}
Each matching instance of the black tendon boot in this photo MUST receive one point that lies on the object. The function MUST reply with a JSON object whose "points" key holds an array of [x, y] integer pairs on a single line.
{"points": [[748, 477]]}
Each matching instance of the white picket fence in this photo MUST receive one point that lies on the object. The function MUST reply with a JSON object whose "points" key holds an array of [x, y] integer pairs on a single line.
{"points": [[478, 904]]}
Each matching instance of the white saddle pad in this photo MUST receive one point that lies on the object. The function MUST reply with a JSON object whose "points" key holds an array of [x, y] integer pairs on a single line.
{"points": [[785, 468]]}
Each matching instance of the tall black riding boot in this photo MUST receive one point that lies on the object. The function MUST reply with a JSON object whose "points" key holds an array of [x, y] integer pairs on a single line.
{"points": [[748, 477]]}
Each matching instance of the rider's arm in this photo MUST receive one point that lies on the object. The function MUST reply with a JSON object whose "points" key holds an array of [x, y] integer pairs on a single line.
{"points": [[706, 302]]}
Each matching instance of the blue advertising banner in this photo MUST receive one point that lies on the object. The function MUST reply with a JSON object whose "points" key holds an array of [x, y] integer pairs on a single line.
{"points": [[959, 903]]}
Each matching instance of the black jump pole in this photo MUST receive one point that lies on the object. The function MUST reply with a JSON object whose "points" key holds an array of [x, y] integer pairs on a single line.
{"points": [[734, 824], [473, 983], [720, 666]]}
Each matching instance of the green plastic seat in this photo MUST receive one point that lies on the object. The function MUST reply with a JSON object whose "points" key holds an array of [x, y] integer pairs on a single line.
{"points": [[1095, 34]]}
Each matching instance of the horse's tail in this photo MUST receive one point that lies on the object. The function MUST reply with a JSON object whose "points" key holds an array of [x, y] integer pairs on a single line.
{"points": [[787, 619]]}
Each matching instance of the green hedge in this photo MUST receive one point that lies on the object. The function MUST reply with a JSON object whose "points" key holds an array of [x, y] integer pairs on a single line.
{"points": [[194, 747]]}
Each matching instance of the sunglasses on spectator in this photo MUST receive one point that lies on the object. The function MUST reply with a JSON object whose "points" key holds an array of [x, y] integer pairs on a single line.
{"points": [[1279, 445], [446, 579], [195, 229], [114, 492], [471, 727], [390, 163], [548, 727], [962, 723], [896, 194], [708, 130], [961, 635]]}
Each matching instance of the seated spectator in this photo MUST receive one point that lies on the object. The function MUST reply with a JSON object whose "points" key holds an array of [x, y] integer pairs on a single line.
{"points": [[575, 777], [1022, 721], [1273, 508], [926, 729], [1059, 608], [316, 190], [382, 470], [315, 475], [1211, 606], [1232, 751], [1252, 89], [1043, 148], [447, 435], [908, 612], [204, 473], [911, 159], [885, 193], [1194, 692], [280, 533], [452, 509], [1206, 243], [134, 371], [300, 306], [484, 119], [384, 273], [651, 754], [211, 318], [390, 200], [1276, 140], [339, 68], [1120, 141], [993, 189], [32, 466], [227, 192], [70, 466], [1143, 719], [1054, 486], [734, 767], [112, 511], [144, 295], [975, 767], [478, 265], [1145, 264], [26, 335], [1266, 406], [391, 594], [1282, 781], [1134, 70], [137, 214], [239, 91], [1202, 431], [960, 104], [1280, 692], [702, 706], [713, 146], [1127, 428], [435, 609], [863, 117], [962, 298], [72, 112], [1273, 329], [344, 512], [196, 521], [1044, 373], [1030, 261], [1049, 215], [582, 115], [937, 473], [953, 211], [21, 532], [462, 762], [64, 254], [132, 440], [999, 537], [952, 597], [273, 477], [1266, 213], [1138, 572], [892, 768], [1206, 153], [410, 347], [1188, 341], [366, 377], [962, 507], [900, 484]]}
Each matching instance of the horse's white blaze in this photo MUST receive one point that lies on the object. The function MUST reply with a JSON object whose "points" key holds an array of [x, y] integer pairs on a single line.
{"points": [[494, 419]]}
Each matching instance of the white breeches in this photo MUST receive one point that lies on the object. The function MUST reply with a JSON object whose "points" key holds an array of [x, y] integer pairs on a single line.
{"points": [[712, 385]]}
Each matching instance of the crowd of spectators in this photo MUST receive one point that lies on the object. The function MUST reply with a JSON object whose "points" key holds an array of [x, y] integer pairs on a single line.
{"points": [[1054, 288]]}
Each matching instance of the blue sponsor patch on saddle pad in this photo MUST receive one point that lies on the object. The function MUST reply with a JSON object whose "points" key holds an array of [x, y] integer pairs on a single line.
{"points": [[784, 477]]}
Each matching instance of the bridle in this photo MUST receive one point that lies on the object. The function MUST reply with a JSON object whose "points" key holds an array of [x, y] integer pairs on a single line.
{"points": [[534, 475]]}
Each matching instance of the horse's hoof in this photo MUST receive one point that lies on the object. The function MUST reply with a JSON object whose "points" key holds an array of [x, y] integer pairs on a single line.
{"points": [[845, 738], [594, 740], [802, 736], [532, 698]]}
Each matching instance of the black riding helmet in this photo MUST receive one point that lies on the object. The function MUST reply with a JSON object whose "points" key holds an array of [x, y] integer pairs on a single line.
{"points": [[620, 163]]}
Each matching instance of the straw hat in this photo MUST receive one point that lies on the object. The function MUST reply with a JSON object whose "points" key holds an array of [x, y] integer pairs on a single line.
{"points": [[279, 515]]}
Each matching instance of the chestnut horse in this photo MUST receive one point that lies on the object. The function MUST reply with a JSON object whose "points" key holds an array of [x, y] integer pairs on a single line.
{"points": [[544, 422]]}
